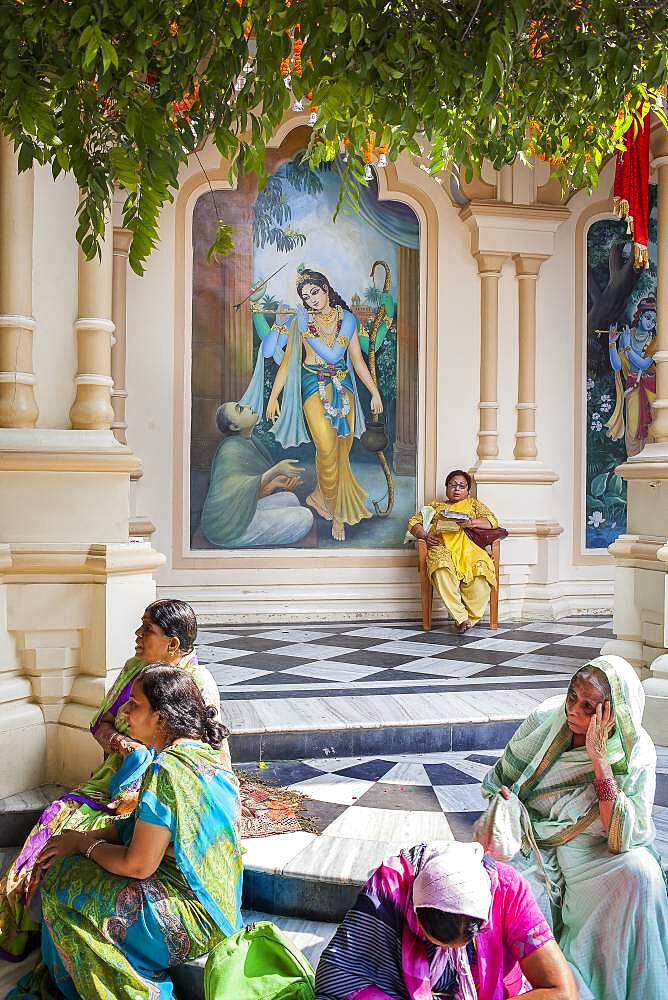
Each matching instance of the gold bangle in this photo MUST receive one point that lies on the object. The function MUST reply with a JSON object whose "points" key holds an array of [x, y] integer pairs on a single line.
{"points": [[89, 850]]}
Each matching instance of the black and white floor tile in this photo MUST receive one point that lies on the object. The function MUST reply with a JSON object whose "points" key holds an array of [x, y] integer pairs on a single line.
{"points": [[333, 659], [365, 808], [280, 676]]}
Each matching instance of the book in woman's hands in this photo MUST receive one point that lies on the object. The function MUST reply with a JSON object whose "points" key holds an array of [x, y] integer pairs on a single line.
{"points": [[447, 520]]}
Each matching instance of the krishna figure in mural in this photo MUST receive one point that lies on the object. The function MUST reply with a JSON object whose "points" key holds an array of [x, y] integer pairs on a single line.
{"points": [[319, 354], [635, 377]]}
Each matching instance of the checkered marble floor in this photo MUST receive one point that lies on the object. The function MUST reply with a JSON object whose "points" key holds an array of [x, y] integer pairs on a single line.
{"points": [[366, 808], [328, 675]]}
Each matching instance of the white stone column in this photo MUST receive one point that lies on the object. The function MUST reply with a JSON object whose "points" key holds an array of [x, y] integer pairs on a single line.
{"points": [[18, 407], [489, 270], [92, 409], [119, 393], [527, 267]]}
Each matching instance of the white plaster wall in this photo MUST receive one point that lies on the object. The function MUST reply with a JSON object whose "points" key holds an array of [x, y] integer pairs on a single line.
{"points": [[54, 295], [257, 593]]}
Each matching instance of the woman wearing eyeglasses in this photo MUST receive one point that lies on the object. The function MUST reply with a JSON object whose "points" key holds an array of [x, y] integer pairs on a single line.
{"points": [[462, 572]]}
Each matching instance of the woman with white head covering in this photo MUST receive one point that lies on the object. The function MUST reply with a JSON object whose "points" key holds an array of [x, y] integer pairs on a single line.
{"points": [[586, 771], [443, 921]]}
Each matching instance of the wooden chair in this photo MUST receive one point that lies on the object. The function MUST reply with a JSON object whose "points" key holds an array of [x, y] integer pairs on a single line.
{"points": [[427, 591]]}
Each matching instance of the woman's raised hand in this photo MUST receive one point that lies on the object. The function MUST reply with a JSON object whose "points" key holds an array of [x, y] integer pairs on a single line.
{"points": [[600, 726]]}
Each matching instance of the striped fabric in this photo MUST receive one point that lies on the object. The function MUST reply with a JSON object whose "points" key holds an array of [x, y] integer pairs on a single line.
{"points": [[380, 953]]}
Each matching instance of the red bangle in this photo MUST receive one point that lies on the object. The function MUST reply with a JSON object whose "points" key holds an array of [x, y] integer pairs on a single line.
{"points": [[606, 789]]}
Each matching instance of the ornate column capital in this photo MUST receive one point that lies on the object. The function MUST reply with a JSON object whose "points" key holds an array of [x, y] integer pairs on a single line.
{"points": [[500, 228], [528, 265], [490, 264]]}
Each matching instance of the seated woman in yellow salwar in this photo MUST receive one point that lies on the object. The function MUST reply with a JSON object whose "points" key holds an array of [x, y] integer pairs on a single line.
{"points": [[461, 571]]}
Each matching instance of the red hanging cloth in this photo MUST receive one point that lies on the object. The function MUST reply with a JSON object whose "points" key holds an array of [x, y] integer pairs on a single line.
{"points": [[631, 186]]}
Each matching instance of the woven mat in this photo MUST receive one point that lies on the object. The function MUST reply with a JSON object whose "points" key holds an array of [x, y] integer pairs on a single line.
{"points": [[266, 810]]}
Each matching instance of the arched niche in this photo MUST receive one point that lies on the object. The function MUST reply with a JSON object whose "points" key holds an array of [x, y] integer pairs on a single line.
{"points": [[200, 387]]}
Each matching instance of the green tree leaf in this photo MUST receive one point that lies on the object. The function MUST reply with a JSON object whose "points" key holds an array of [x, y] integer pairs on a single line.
{"points": [[339, 21]]}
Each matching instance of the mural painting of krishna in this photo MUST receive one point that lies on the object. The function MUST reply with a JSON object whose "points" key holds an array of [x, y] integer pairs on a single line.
{"points": [[310, 442]]}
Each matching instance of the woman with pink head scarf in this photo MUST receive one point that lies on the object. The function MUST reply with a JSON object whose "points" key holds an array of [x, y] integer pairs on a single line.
{"points": [[444, 921]]}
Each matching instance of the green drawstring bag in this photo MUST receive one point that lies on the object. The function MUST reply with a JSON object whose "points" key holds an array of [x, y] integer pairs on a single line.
{"points": [[258, 963]]}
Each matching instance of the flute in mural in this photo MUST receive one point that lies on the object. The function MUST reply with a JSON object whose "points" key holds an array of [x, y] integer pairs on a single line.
{"points": [[258, 288]]}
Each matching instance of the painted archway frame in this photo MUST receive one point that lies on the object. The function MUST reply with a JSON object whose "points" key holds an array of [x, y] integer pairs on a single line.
{"points": [[199, 437]]}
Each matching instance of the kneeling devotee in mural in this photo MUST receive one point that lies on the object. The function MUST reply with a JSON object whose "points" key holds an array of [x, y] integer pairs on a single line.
{"points": [[443, 920], [167, 633], [250, 500], [123, 904], [586, 771], [461, 571]]}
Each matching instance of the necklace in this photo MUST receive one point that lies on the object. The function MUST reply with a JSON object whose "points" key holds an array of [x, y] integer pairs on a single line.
{"points": [[328, 315], [325, 325]]}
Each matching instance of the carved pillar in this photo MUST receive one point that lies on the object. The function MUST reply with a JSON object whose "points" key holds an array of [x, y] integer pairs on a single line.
{"points": [[526, 269], [407, 375], [92, 409], [489, 269], [18, 407], [119, 394]]}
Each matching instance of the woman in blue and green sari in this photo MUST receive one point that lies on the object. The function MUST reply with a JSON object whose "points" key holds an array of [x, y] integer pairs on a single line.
{"points": [[167, 633], [123, 904]]}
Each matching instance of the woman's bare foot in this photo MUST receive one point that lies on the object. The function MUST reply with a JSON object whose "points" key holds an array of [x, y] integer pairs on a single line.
{"points": [[338, 531], [465, 626], [317, 502]]}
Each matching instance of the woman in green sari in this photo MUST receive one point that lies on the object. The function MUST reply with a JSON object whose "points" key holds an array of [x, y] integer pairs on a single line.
{"points": [[123, 904], [167, 633], [586, 771]]}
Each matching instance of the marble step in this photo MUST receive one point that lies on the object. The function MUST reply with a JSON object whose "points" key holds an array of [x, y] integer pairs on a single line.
{"points": [[306, 739], [20, 812], [302, 875]]}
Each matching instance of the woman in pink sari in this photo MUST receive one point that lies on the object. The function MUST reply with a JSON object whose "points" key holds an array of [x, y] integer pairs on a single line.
{"points": [[444, 921]]}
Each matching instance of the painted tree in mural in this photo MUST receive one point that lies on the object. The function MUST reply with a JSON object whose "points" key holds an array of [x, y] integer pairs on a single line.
{"points": [[272, 208], [121, 92], [614, 290], [611, 276]]}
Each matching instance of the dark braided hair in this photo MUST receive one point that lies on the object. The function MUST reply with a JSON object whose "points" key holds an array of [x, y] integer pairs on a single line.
{"points": [[173, 694], [177, 620]]}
